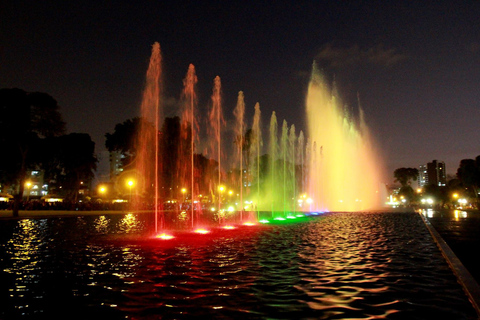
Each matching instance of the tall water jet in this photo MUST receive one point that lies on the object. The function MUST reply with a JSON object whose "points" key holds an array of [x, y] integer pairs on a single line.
{"points": [[256, 146], [292, 139], [147, 161], [301, 161], [273, 149], [344, 171], [284, 154], [189, 129], [239, 113], [216, 122]]}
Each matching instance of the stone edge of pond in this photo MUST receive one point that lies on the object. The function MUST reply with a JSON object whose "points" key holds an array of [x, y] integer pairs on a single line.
{"points": [[470, 286], [41, 214]]}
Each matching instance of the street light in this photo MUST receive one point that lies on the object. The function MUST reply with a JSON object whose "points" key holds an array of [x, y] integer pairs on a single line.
{"points": [[221, 189], [28, 184], [184, 190], [130, 184], [102, 189]]}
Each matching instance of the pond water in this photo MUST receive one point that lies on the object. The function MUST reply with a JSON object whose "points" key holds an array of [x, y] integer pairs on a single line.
{"points": [[335, 266]]}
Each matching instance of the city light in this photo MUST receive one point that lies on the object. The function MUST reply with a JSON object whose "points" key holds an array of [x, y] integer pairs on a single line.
{"points": [[102, 189]]}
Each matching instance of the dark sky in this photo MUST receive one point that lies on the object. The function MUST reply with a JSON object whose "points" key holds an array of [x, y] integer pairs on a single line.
{"points": [[414, 64]]}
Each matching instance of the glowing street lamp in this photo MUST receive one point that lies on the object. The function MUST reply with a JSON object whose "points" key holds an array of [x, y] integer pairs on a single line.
{"points": [[184, 190], [28, 184], [130, 184], [102, 190], [221, 189]]}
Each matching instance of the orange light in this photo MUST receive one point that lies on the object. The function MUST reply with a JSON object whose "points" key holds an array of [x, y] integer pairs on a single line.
{"points": [[228, 227], [249, 224], [201, 231], [164, 236]]}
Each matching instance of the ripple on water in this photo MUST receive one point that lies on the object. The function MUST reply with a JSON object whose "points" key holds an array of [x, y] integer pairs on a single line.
{"points": [[344, 265]]}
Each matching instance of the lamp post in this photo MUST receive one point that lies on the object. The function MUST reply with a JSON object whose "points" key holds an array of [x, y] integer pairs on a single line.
{"points": [[130, 184], [102, 190], [221, 189], [184, 190], [28, 184], [455, 198]]}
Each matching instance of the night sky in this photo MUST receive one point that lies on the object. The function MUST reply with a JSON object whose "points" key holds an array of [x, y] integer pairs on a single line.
{"points": [[414, 64]]}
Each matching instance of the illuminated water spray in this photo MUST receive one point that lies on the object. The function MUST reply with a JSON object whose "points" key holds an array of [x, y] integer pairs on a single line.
{"points": [[256, 150], [343, 169], [147, 161], [333, 167], [189, 129], [239, 113], [216, 123], [273, 149]]}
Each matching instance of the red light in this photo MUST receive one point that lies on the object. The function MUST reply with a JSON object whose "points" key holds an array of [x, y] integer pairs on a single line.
{"points": [[228, 227], [201, 231], [164, 236]]}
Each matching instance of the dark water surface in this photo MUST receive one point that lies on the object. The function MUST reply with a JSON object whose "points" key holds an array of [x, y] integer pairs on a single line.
{"points": [[337, 266], [461, 231]]}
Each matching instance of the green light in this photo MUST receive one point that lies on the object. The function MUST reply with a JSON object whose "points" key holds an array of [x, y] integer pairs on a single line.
{"points": [[291, 217], [279, 219], [264, 221]]}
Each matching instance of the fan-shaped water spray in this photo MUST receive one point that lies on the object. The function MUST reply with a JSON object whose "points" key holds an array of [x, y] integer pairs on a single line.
{"points": [[343, 168]]}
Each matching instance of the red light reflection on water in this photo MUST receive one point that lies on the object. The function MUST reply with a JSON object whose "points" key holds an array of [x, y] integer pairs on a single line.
{"points": [[164, 236]]}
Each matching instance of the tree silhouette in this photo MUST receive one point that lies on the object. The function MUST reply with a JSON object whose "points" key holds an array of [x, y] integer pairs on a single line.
{"points": [[26, 119], [405, 175]]}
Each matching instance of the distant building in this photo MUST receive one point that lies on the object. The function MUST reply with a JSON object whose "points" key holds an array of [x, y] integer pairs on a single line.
{"points": [[35, 185], [116, 166], [432, 173], [422, 175]]}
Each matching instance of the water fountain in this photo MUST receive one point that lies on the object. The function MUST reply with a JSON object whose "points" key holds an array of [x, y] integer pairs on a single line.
{"points": [[239, 133], [343, 266], [147, 162], [343, 168], [336, 169], [216, 123], [189, 135]]}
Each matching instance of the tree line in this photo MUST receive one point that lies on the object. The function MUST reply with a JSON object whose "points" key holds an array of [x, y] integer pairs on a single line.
{"points": [[32, 136], [465, 183]]}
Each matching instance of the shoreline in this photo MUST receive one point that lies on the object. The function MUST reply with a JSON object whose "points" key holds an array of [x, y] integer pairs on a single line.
{"points": [[39, 214]]}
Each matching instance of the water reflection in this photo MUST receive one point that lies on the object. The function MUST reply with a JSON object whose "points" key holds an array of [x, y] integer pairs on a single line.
{"points": [[460, 214], [23, 262], [454, 214], [130, 223], [337, 266], [101, 224]]}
